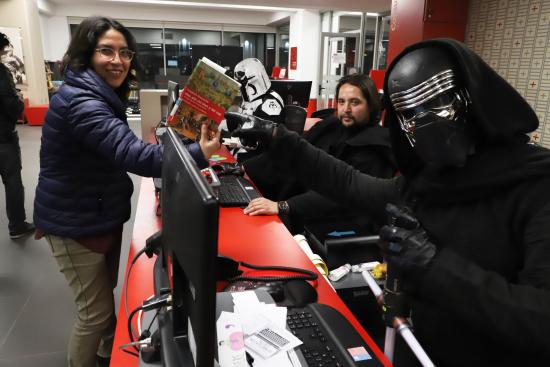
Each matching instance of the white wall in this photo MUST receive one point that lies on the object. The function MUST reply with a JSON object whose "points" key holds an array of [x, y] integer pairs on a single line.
{"points": [[513, 38], [304, 32], [24, 14]]}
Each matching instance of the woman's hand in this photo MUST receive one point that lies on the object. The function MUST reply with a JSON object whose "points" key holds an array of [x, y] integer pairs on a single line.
{"points": [[261, 206], [209, 142]]}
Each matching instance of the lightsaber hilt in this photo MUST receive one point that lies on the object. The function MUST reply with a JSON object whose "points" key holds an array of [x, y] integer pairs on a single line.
{"points": [[399, 325]]}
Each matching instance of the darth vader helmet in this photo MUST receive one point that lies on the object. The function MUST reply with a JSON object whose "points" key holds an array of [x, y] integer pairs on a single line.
{"points": [[253, 78], [431, 105]]}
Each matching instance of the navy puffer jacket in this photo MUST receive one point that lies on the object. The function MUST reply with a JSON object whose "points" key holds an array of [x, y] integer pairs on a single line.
{"points": [[87, 148]]}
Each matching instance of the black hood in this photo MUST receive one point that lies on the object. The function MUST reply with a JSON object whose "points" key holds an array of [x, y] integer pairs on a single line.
{"points": [[499, 118]]}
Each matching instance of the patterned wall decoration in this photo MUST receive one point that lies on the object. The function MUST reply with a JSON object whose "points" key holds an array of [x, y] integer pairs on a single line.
{"points": [[513, 37]]}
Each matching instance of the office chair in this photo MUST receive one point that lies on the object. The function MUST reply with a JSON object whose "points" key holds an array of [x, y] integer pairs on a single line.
{"points": [[295, 118]]}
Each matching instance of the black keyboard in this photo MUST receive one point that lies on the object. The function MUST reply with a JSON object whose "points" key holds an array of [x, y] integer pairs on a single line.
{"points": [[236, 191], [329, 339]]}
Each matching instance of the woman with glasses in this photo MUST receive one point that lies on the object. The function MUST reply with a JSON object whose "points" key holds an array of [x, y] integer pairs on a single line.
{"points": [[83, 193]]}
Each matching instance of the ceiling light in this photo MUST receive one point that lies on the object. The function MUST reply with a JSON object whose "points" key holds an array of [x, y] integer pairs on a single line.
{"points": [[203, 5]]}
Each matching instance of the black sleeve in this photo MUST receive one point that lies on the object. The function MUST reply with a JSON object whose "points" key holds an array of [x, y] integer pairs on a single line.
{"points": [[313, 205], [330, 177], [375, 161], [10, 103], [515, 311]]}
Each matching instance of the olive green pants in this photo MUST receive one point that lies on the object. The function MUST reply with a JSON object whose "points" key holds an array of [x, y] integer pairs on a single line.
{"points": [[89, 277]]}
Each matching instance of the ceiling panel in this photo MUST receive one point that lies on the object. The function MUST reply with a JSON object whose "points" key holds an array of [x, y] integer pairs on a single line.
{"points": [[347, 5]]}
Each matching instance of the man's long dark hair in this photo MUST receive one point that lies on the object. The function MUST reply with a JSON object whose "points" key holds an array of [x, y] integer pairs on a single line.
{"points": [[369, 91], [84, 42]]}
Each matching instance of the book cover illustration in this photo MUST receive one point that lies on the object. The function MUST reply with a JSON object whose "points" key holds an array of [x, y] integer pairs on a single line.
{"points": [[208, 93]]}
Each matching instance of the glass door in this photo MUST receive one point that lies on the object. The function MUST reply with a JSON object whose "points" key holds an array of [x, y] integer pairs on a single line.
{"points": [[339, 57]]}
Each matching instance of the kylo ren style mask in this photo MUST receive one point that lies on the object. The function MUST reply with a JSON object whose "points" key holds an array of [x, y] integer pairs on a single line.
{"points": [[431, 107]]}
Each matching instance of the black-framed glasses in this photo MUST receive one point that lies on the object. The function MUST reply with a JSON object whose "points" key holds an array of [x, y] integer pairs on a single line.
{"points": [[124, 54]]}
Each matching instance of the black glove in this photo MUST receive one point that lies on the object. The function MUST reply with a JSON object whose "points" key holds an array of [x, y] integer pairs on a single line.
{"points": [[404, 243], [255, 133]]}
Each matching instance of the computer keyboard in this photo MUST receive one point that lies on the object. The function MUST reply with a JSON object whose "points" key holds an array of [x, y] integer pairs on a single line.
{"points": [[328, 338], [236, 191]]}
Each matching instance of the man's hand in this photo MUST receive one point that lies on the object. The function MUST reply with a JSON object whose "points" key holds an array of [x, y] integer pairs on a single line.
{"points": [[261, 206], [255, 133], [209, 142], [404, 243]]}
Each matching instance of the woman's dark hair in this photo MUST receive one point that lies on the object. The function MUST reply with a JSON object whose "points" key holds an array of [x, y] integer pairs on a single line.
{"points": [[84, 42], [4, 41], [369, 91]]}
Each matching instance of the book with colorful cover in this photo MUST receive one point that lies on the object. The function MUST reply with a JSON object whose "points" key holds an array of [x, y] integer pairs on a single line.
{"points": [[208, 93]]}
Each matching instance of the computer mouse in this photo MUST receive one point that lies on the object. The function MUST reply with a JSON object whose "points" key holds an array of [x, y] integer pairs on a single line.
{"points": [[298, 293], [275, 289]]}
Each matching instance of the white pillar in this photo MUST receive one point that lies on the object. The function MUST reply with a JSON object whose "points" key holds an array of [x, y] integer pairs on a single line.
{"points": [[304, 33], [55, 36]]}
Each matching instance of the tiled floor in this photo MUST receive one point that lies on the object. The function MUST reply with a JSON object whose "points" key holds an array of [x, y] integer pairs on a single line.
{"points": [[36, 306]]}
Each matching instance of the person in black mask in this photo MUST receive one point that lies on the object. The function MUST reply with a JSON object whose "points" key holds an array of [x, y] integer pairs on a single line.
{"points": [[476, 267]]}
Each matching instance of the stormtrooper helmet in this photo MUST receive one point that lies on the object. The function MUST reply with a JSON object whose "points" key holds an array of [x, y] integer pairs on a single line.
{"points": [[253, 78]]}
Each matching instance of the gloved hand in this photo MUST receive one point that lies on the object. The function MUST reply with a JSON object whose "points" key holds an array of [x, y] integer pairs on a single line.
{"points": [[404, 243], [255, 133]]}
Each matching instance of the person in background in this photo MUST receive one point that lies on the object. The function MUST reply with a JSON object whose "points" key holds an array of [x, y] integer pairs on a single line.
{"points": [[14, 64], [353, 136], [474, 258], [83, 193], [11, 107]]}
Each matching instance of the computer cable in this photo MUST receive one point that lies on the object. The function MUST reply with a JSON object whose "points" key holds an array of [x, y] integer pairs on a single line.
{"points": [[145, 339], [151, 245], [147, 305], [127, 284], [304, 274], [140, 318]]}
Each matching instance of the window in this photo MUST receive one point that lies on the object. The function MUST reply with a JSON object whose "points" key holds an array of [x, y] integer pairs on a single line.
{"points": [[171, 53]]}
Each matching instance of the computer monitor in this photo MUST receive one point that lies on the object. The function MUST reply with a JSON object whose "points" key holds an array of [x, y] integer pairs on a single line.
{"points": [[293, 91], [173, 94], [190, 215]]}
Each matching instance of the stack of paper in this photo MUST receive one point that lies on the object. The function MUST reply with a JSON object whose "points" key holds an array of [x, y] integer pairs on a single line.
{"points": [[258, 329]]}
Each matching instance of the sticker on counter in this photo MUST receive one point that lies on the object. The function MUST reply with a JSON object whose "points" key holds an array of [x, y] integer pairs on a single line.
{"points": [[217, 158], [359, 354]]}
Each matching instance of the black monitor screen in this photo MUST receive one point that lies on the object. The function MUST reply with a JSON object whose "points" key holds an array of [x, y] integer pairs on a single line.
{"points": [[190, 215], [293, 91], [173, 94]]}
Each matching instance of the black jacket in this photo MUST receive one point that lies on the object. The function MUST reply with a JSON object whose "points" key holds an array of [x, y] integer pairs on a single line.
{"points": [[367, 150], [485, 299], [11, 106]]}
